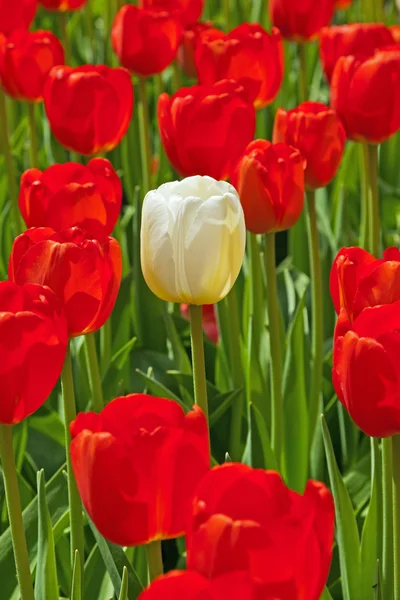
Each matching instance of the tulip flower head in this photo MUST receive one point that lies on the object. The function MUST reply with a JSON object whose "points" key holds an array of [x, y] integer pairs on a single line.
{"points": [[301, 20], [140, 461], [248, 54], [187, 49], [317, 132], [192, 240], [89, 108], [270, 182], [63, 5], [26, 58], [205, 128], [72, 194], [16, 14], [189, 10], [33, 343], [83, 272], [146, 41]]}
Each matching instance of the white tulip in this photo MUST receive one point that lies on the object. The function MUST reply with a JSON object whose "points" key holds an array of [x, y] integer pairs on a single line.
{"points": [[193, 239]]}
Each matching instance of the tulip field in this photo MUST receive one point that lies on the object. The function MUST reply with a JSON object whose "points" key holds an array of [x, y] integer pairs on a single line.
{"points": [[200, 300]]}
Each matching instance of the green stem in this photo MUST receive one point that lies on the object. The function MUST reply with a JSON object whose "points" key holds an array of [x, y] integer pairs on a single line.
{"points": [[303, 85], [275, 345], [154, 559], [227, 14], [105, 346], [11, 176], [163, 160], [145, 143], [15, 514], [176, 74], [317, 313], [256, 290], [199, 367], [396, 514], [94, 373], [65, 37], [34, 148], [365, 204], [75, 504], [235, 446], [90, 31], [387, 509], [374, 223]]}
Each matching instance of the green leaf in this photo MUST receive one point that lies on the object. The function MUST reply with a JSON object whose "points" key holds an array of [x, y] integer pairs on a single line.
{"points": [[258, 452], [158, 389], [94, 574], [326, 595], [296, 444], [123, 595], [46, 583], [76, 585], [180, 355], [222, 404], [115, 560], [346, 526]]}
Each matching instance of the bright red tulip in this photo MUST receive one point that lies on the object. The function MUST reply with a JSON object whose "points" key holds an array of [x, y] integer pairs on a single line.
{"points": [[355, 39], [247, 520], [139, 460], [210, 325], [270, 181], [63, 5], [33, 343], [89, 108], [16, 14], [356, 95], [187, 49], [301, 20], [83, 272], [189, 10], [145, 41], [395, 31], [25, 61], [72, 194], [317, 132], [248, 54], [205, 129]]}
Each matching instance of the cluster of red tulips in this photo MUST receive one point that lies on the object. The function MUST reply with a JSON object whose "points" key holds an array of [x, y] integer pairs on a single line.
{"points": [[142, 465]]}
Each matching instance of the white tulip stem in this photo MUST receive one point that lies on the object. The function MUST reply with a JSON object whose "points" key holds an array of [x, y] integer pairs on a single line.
{"points": [[199, 368]]}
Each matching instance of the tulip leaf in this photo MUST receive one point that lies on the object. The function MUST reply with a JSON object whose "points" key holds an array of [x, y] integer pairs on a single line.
{"points": [[115, 560], [326, 595], [123, 595], [346, 526], [296, 444], [94, 574], [158, 389], [222, 403], [46, 583], [181, 358], [76, 586], [258, 452]]}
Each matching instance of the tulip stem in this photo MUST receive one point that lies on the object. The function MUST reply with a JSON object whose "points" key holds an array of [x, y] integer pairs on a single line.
{"points": [[303, 85], [154, 559], [176, 76], [75, 504], [387, 494], [11, 176], [275, 346], [15, 514], [145, 143], [94, 373], [227, 15], [65, 37], [33, 136], [317, 313], [365, 207], [105, 346], [235, 446], [374, 219], [199, 367], [396, 514]]}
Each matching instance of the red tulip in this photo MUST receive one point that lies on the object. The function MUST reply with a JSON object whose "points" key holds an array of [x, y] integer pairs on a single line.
{"points": [[301, 20], [356, 94], [71, 194], [89, 108], [25, 61], [189, 10], [210, 325], [16, 14], [139, 461], [84, 273], [395, 31], [355, 39], [33, 343], [205, 129], [317, 132], [248, 54], [187, 49], [145, 41], [63, 5], [247, 520], [270, 181], [342, 4]]}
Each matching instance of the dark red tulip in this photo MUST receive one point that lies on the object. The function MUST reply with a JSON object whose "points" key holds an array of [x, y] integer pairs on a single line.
{"points": [[89, 108], [139, 460], [301, 20], [72, 194], [83, 272], [187, 49], [33, 343], [63, 5], [16, 14]]}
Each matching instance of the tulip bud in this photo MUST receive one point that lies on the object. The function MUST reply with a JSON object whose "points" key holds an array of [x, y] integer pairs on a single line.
{"points": [[192, 240], [189, 10], [16, 14]]}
